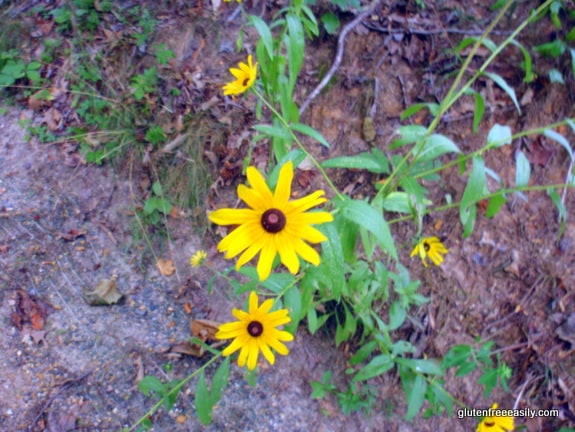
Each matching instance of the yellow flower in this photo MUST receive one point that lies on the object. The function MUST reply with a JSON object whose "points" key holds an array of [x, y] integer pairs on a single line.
{"points": [[430, 247], [245, 78], [272, 224], [495, 424], [198, 258], [256, 331]]}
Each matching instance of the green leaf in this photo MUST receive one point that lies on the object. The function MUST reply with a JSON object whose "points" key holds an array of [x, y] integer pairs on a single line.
{"points": [[369, 218], [499, 136], [265, 34], [494, 205], [551, 49], [277, 131], [527, 63], [474, 190], [456, 355], [397, 315], [498, 79], [556, 77], [202, 401], [363, 353], [397, 202], [556, 136], [415, 108], [435, 145], [522, 170], [295, 48], [311, 132], [150, 384], [314, 323], [377, 366], [220, 381], [479, 110], [309, 20], [416, 396], [361, 161], [292, 301], [330, 22], [409, 134], [332, 270], [431, 367]]}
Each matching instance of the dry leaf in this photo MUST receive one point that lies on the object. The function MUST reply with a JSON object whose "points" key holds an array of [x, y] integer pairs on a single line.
{"points": [[166, 267], [53, 119], [29, 310], [205, 330], [105, 293]]}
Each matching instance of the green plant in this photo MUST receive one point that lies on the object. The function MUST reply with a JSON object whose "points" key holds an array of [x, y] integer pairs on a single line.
{"points": [[13, 69], [156, 205]]}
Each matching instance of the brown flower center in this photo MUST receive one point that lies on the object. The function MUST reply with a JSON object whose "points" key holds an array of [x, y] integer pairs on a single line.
{"points": [[255, 328], [273, 220], [245, 82], [426, 246]]}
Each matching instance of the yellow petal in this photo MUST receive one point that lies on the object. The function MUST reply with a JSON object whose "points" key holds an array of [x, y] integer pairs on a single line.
{"points": [[239, 239], [265, 349], [287, 252], [253, 303], [307, 252], [264, 308], [306, 233], [259, 184], [233, 216], [310, 218], [305, 203], [283, 187], [232, 348], [253, 199], [251, 252], [253, 353], [267, 256]]}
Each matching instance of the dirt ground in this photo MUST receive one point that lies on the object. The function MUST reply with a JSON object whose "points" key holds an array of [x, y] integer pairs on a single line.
{"points": [[66, 226]]}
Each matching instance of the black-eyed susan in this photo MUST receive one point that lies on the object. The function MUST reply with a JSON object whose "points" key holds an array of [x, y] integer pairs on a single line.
{"points": [[198, 258], [495, 423], [245, 76], [273, 224], [430, 247], [256, 331]]}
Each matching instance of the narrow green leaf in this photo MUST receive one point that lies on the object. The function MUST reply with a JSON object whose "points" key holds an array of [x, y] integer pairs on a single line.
{"points": [[310, 20], [377, 366], [476, 184], [479, 111], [265, 34], [555, 76], [361, 161], [363, 353], [527, 62], [415, 108], [332, 258], [274, 131], [436, 145], [311, 132], [366, 216], [430, 366], [295, 48], [220, 381], [202, 401], [498, 79], [416, 397], [292, 301], [499, 135], [556, 136], [522, 169]]}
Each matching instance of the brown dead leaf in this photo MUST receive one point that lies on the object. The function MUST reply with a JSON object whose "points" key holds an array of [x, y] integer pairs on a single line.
{"points": [[204, 330], [105, 293], [53, 119], [166, 267], [29, 310]]}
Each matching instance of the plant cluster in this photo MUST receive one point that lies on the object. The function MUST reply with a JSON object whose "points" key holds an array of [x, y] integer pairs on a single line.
{"points": [[358, 273]]}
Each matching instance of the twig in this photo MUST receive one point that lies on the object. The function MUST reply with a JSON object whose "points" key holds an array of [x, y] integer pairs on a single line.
{"points": [[339, 54], [63, 387]]}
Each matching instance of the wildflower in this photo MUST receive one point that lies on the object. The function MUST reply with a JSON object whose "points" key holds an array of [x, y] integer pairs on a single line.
{"points": [[198, 258], [256, 331], [245, 78], [272, 224], [495, 424], [430, 247]]}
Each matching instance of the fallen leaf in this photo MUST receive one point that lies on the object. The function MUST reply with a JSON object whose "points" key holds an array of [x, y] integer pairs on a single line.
{"points": [[166, 267], [29, 310], [204, 330], [105, 293], [53, 119]]}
